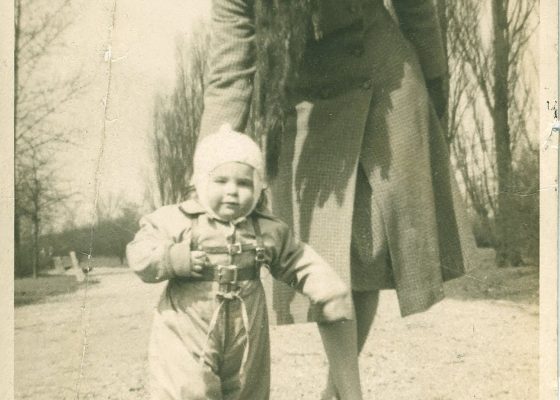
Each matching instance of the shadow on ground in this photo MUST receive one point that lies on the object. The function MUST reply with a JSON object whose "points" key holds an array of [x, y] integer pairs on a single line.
{"points": [[487, 281], [30, 290]]}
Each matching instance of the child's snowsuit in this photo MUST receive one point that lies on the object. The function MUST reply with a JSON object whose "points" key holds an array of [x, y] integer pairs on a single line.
{"points": [[210, 341]]}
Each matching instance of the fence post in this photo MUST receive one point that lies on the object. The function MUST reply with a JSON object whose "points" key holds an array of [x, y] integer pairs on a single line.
{"points": [[80, 276]]}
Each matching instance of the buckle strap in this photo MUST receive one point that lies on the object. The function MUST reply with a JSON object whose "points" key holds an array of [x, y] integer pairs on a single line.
{"points": [[230, 274], [260, 255], [231, 249]]}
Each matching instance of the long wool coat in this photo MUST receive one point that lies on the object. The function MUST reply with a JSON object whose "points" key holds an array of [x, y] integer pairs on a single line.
{"points": [[363, 162]]}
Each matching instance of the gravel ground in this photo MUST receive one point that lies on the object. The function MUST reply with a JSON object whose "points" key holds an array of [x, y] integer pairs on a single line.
{"points": [[481, 342]]}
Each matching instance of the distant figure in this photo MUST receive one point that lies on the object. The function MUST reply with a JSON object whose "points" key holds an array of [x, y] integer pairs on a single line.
{"points": [[210, 336]]}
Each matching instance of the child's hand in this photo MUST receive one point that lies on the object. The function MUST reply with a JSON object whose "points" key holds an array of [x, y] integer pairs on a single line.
{"points": [[199, 260], [337, 309]]}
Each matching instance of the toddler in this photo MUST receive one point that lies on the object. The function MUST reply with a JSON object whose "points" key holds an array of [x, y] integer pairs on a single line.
{"points": [[210, 337]]}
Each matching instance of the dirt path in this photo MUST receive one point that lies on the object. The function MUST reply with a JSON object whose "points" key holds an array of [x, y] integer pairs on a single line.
{"points": [[481, 342]]}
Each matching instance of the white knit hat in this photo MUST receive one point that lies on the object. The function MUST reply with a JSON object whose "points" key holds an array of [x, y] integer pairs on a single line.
{"points": [[219, 148]]}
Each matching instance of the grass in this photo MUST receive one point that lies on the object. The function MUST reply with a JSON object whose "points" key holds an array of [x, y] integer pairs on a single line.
{"points": [[488, 282], [28, 290]]}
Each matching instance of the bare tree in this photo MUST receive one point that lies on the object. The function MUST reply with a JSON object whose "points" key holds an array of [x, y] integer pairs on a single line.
{"points": [[177, 118], [39, 29], [467, 140], [472, 149], [496, 68], [38, 197], [116, 224], [110, 205]]}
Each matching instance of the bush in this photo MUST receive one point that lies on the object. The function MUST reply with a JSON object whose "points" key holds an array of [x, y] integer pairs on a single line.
{"points": [[524, 213], [484, 231], [108, 238], [526, 205], [25, 258]]}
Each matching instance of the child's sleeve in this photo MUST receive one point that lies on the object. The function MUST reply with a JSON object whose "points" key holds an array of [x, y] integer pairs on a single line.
{"points": [[155, 255], [297, 264]]}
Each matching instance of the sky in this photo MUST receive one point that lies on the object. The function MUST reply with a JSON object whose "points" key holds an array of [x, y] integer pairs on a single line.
{"points": [[114, 158]]}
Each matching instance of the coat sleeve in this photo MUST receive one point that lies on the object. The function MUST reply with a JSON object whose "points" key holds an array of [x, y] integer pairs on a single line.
{"points": [[298, 265], [154, 255], [420, 25], [228, 93]]}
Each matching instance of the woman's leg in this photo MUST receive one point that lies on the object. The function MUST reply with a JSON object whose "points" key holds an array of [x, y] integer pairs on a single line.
{"points": [[365, 304], [340, 342]]}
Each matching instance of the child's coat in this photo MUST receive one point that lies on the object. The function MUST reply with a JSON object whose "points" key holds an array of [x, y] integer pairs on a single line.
{"points": [[181, 332]]}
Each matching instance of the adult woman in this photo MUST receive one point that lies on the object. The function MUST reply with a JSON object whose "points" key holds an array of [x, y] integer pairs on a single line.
{"points": [[361, 169]]}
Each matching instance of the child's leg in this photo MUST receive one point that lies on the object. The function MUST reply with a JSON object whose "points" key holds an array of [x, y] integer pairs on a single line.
{"points": [[256, 375], [340, 342], [175, 370], [249, 380]]}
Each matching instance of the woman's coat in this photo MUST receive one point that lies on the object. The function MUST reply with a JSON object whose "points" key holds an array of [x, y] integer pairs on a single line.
{"points": [[360, 100]]}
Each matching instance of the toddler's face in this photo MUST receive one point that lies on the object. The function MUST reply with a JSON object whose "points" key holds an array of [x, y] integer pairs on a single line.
{"points": [[231, 190]]}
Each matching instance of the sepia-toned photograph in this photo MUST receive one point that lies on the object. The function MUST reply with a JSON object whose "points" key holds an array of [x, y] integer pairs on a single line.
{"points": [[284, 199]]}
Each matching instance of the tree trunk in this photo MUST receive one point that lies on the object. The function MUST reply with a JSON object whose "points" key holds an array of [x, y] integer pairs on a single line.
{"points": [[17, 228], [506, 251], [17, 244], [35, 247], [17, 34]]}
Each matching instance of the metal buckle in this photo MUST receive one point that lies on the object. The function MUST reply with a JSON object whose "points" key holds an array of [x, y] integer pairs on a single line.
{"points": [[259, 254], [234, 248], [224, 270]]}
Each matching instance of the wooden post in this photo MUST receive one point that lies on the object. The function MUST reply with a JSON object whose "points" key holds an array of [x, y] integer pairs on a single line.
{"points": [[80, 276]]}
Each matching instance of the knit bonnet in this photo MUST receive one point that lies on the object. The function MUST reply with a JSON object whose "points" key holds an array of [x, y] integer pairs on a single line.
{"points": [[222, 147]]}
